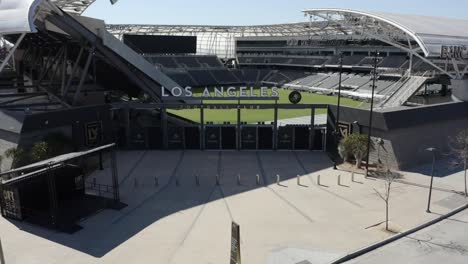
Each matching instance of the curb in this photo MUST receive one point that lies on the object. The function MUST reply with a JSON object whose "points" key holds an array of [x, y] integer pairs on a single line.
{"points": [[377, 245]]}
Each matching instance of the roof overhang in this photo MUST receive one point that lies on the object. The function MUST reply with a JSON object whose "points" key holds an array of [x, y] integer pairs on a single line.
{"points": [[17, 16], [430, 33]]}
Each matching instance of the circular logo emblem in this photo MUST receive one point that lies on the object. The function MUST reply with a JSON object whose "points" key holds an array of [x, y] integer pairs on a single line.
{"points": [[295, 97]]}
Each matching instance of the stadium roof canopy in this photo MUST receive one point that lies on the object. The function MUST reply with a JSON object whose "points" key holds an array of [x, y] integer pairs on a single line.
{"points": [[73, 6], [431, 33]]}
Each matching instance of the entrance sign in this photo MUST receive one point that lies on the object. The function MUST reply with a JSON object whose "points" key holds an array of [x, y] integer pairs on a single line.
{"points": [[235, 244], [345, 129], [93, 134], [222, 92]]}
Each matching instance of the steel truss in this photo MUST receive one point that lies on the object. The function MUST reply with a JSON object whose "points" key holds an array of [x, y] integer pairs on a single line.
{"points": [[353, 23]]}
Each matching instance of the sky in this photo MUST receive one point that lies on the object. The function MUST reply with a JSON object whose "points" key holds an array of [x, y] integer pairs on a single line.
{"points": [[255, 12]]}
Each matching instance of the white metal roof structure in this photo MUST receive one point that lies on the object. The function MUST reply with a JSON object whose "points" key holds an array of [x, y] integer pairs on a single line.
{"points": [[218, 40], [431, 33], [73, 6]]}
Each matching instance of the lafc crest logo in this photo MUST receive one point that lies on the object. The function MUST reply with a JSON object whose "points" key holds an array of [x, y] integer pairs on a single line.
{"points": [[93, 133]]}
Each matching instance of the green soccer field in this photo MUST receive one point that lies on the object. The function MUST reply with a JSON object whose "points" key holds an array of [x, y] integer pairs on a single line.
{"points": [[218, 116]]}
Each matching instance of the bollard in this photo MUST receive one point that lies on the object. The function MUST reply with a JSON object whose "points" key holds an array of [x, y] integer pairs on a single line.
{"points": [[156, 181], [217, 180], [298, 179], [94, 182], [339, 180], [2, 257], [318, 180], [238, 179], [278, 179], [258, 179], [197, 180]]}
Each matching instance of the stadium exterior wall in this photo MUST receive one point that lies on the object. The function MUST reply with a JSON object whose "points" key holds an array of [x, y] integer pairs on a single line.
{"points": [[407, 133]]}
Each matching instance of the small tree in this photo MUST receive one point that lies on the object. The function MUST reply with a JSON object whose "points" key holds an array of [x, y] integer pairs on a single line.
{"points": [[17, 155], [40, 151], [355, 145], [389, 177], [459, 150]]}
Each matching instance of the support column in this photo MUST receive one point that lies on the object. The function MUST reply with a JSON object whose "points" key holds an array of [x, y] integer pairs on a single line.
{"points": [[64, 70], [53, 203], [312, 129], [115, 176], [12, 51], [127, 121], [165, 137], [238, 134], [202, 127], [83, 76], [75, 68], [275, 128]]}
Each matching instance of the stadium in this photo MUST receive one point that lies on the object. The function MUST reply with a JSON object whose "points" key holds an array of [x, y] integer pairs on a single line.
{"points": [[94, 89]]}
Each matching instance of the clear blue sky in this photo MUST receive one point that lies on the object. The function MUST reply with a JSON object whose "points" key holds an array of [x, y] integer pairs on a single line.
{"points": [[255, 12]]}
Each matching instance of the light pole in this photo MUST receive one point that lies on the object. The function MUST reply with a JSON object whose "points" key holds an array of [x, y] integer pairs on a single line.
{"points": [[337, 125], [374, 79], [433, 150]]}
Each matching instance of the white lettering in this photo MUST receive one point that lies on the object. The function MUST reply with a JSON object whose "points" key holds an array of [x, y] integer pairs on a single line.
{"points": [[206, 92], [219, 92], [177, 91], [274, 92], [264, 91], [232, 92], [188, 91], [243, 92], [252, 93], [163, 92]]}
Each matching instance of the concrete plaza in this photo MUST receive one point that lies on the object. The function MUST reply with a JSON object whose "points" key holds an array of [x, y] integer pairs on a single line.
{"points": [[287, 223]]}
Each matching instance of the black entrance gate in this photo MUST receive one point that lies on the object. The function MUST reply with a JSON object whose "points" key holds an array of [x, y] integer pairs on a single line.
{"points": [[265, 137], [249, 138], [155, 140], [228, 138], [213, 137], [176, 138], [192, 137], [285, 138], [301, 137]]}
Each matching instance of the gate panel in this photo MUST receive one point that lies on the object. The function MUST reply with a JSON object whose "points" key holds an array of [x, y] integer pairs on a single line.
{"points": [[228, 138], [265, 137], [213, 138], [301, 138], [155, 138], [249, 138], [318, 139], [175, 137], [285, 138], [192, 138]]}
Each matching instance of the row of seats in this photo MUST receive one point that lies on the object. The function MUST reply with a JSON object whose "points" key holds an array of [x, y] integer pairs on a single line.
{"points": [[328, 82], [320, 61], [181, 62], [203, 77]]}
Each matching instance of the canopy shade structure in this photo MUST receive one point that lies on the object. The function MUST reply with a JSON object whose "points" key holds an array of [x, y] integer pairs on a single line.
{"points": [[430, 33], [17, 16], [73, 6], [76, 6]]}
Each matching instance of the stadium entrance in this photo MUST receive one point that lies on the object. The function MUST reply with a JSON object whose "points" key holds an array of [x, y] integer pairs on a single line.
{"points": [[139, 130]]}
